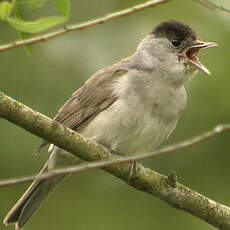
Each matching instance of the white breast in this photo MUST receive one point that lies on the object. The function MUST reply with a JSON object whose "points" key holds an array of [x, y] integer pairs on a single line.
{"points": [[137, 122]]}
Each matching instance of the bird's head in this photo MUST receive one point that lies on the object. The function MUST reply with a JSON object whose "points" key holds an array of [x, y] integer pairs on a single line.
{"points": [[174, 46], [184, 42]]}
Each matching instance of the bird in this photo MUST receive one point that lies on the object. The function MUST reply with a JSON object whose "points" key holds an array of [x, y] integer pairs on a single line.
{"points": [[130, 107]]}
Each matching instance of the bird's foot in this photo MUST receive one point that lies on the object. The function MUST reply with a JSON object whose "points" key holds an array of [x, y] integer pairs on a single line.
{"points": [[133, 169]]}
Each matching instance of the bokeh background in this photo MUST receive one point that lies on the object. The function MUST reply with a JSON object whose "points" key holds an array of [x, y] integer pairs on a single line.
{"points": [[45, 80]]}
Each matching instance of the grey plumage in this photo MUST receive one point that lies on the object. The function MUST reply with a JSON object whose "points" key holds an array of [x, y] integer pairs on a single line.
{"points": [[130, 107]]}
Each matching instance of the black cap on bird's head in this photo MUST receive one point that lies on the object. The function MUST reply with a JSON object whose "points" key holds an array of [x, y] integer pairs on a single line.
{"points": [[173, 29], [184, 40]]}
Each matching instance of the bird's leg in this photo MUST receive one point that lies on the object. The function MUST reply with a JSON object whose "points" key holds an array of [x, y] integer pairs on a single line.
{"points": [[133, 168]]}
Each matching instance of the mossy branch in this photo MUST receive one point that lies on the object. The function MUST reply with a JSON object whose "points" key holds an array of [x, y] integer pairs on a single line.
{"points": [[145, 179]]}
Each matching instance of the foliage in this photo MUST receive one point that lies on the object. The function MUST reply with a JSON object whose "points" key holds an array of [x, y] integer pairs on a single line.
{"points": [[13, 14]]}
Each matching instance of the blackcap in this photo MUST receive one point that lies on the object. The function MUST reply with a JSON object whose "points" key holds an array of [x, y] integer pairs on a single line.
{"points": [[130, 107]]}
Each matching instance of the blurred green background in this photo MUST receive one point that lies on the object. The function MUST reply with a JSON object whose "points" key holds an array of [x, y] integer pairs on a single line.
{"points": [[45, 80]]}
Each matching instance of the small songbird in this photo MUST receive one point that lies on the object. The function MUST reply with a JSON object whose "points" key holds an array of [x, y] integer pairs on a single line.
{"points": [[130, 107]]}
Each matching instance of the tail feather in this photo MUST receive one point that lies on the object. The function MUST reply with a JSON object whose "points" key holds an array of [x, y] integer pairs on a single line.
{"points": [[38, 191], [15, 212], [31, 200]]}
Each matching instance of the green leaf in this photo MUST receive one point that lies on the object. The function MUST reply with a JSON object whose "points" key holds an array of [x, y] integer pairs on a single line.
{"points": [[5, 10], [23, 35], [34, 4], [63, 6], [36, 26]]}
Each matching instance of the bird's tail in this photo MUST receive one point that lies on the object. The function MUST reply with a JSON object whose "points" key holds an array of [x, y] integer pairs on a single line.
{"points": [[36, 193]]}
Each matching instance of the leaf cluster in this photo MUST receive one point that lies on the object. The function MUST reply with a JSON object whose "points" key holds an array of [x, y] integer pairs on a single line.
{"points": [[12, 13]]}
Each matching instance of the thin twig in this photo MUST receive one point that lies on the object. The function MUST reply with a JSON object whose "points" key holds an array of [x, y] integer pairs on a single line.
{"points": [[80, 26], [213, 6], [93, 165], [144, 179]]}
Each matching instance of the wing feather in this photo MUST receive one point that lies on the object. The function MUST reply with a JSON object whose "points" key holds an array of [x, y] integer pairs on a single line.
{"points": [[89, 100]]}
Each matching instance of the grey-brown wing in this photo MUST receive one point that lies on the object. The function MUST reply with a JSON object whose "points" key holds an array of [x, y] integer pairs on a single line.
{"points": [[89, 100]]}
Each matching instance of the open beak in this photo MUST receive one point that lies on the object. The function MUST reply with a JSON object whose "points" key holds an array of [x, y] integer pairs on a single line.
{"points": [[192, 52]]}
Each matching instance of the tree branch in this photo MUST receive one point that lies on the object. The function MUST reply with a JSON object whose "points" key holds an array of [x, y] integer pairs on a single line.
{"points": [[213, 6], [164, 188], [80, 26], [97, 21], [102, 163]]}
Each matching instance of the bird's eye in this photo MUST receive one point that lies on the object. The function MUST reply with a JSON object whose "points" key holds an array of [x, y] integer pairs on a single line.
{"points": [[176, 42]]}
